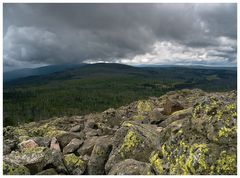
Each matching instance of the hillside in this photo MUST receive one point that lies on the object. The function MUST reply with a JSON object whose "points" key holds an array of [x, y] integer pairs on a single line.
{"points": [[183, 132], [96, 87]]}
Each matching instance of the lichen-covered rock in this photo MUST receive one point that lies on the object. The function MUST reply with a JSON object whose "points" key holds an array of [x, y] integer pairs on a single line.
{"points": [[72, 146], [216, 118], [99, 157], [131, 167], [195, 145], [35, 159], [10, 168], [195, 134], [75, 165], [133, 140]]}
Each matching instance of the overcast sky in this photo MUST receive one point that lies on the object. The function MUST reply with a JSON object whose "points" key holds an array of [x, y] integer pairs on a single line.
{"points": [[184, 34]]}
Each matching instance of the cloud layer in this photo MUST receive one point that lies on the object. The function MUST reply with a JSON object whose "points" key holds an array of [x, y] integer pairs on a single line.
{"points": [[39, 34]]}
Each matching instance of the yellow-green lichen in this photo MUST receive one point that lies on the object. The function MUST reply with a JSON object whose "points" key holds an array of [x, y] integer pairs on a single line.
{"points": [[165, 152], [36, 150], [156, 163], [46, 131], [126, 124], [143, 106], [73, 160], [227, 164], [190, 157], [130, 141], [226, 132], [137, 118]]}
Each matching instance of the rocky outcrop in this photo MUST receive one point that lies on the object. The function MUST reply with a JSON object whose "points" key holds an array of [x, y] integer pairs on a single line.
{"points": [[185, 132]]}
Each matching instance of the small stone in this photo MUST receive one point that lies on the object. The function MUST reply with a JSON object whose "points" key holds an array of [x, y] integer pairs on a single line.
{"points": [[76, 128], [72, 146], [28, 144], [54, 144]]}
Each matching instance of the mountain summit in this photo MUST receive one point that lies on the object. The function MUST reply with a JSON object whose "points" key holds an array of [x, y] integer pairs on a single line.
{"points": [[183, 132]]}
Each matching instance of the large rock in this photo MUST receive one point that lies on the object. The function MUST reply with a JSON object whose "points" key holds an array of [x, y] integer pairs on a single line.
{"points": [[204, 144], [178, 115], [72, 146], [171, 106], [36, 159], [89, 143], [75, 165], [99, 157], [131, 167], [129, 140]]}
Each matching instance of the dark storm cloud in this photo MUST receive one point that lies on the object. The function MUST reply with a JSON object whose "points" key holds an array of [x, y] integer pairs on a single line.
{"points": [[70, 33]]}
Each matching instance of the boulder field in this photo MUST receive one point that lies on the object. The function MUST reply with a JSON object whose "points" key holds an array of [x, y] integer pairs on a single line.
{"points": [[185, 132]]}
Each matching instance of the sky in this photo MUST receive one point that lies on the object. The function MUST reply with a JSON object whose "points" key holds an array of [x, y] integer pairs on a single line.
{"points": [[135, 34]]}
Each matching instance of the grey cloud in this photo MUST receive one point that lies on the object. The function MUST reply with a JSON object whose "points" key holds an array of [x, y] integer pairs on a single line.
{"points": [[73, 33]]}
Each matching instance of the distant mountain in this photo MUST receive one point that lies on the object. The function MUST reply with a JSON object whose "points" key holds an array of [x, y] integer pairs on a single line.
{"points": [[26, 72], [189, 66]]}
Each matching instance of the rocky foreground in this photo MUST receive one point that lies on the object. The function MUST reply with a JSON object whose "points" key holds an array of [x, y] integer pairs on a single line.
{"points": [[182, 132]]}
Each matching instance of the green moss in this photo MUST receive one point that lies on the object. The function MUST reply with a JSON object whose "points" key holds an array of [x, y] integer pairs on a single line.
{"points": [[143, 106], [130, 142], [227, 164], [156, 163]]}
